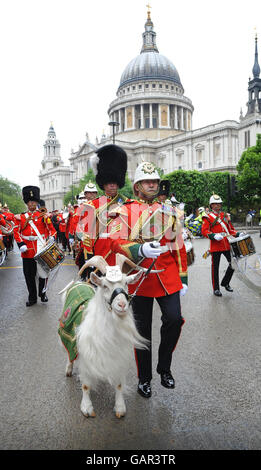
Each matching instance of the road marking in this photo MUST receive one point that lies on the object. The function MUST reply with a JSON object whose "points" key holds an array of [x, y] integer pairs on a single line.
{"points": [[17, 267]]}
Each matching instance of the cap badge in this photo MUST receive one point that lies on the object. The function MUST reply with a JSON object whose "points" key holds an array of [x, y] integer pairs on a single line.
{"points": [[148, 168]]}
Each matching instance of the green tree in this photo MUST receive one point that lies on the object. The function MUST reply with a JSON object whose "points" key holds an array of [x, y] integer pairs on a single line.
{"points": [[10, 194], [249, 172], [74, 190], [194, 188]]}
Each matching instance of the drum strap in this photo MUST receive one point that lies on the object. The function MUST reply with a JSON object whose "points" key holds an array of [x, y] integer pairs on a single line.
{"points": [[220, 221], [35, 229]]}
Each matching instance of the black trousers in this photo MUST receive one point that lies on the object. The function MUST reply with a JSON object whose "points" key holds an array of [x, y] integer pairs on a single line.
{"points": [[30, 271], [215, 269], [172, 322]]}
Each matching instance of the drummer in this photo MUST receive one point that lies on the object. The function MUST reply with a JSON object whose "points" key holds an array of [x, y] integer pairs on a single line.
{"points": [[27, 240], [217, 226], [163, 194]]}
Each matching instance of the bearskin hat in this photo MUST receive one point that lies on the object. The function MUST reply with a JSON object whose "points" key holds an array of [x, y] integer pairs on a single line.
{"points": [[111, 165], [31, 193], [164, 188]]}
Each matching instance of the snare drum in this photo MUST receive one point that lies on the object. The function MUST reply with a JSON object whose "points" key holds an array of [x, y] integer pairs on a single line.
{"points": [[49, 257], [190, 252], [242, 246]]}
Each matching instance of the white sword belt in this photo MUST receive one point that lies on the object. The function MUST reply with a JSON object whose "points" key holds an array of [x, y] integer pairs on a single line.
{"points": [[31, 238]]}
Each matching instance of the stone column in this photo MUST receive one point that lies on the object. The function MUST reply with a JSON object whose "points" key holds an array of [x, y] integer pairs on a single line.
{"points": [[120, 129], [168, 116], [186, 119], [133, 117], [141, 117], [151, 123], [182, 119], [175, 117], [125, 118]]}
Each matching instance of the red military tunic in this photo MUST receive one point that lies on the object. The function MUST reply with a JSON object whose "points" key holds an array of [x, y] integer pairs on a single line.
{"points": [[96, 222], [213, 223], [24, 233], [126, 235]]}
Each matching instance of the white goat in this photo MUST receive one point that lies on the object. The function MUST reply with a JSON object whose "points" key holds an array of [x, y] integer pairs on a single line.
{"points": [[107, 334]]}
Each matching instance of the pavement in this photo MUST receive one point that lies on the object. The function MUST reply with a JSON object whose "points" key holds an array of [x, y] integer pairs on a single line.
{"points": [[216, 402]]}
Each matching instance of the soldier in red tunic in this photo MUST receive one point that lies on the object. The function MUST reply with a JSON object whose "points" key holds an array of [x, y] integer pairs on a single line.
{"points": [[216, 226], [110, 171], [138, 221], [27, 240]]}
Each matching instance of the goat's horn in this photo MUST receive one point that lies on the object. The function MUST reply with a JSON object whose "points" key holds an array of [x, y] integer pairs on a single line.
{"points": [[121, 259], [97, 261]]}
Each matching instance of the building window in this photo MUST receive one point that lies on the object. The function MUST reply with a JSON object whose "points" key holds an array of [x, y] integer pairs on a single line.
{"points": [[147, 123], [153, 85], [167, 86], [247, 139], [160, 85], [147, 86], [140, 87], [133, 87], [199, 165]]}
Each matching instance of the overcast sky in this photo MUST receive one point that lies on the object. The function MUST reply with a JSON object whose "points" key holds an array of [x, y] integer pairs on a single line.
{"points": [[61, 62]]}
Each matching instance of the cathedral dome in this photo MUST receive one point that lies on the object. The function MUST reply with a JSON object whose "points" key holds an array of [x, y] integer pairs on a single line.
{"points": [[150, 65]]}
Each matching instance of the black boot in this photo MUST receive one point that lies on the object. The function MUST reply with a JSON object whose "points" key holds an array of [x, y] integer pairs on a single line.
{"points": [[144, 389], [217, 293], [44, 298], [167, 380]]}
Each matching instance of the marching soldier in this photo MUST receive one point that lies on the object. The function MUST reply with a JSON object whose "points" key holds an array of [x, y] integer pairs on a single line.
{"points": [[139, 222], [163, 194], [79, 223], [90, 191], [27, 238], [216, 226], [110, 170]]}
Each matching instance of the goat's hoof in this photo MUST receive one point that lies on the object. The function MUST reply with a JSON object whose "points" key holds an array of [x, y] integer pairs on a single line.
{"points": [[90, 414], [69, 374], [120, 414]]}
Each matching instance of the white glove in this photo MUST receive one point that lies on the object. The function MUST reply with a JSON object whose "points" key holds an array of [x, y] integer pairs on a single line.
{"points": [[150, 249], [71, 241], [184, 289], [241, 234], [218, 237], [23, 248], [51, 239]]}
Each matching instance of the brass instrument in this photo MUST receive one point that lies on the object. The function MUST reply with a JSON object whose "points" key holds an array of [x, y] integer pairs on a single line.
{"points": [[8, 228]]}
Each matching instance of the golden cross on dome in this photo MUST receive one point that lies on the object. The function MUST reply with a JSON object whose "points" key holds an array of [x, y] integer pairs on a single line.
{"points": [[149, 7]]}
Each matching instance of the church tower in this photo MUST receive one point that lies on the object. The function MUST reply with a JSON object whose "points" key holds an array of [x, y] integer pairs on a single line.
{"points": [[254, 87], [52, 147], [54, 178]]}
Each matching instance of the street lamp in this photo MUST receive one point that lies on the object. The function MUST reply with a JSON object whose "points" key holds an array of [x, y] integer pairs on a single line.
{"points": [[72, 172], [113, 124]]}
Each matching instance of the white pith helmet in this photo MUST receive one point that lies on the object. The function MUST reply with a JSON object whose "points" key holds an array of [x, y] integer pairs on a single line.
{"points": [[90, 187], [201, 209], [215, 199], [146, 171]]}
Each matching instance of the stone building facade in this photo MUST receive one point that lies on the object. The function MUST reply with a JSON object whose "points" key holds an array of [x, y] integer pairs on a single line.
{"points": [[152, 119]]}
